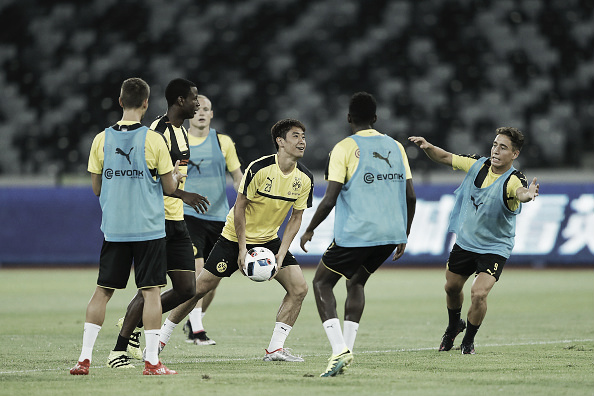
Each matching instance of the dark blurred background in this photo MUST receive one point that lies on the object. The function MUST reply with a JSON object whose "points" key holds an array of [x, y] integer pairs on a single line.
{"points": [[451, 71]]}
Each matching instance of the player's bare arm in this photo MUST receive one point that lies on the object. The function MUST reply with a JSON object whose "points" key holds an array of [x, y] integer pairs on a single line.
{"points": [[239, 221], [528, 194], [436, 154], [291, 230], [236, 175], [411, 204], [322, 211], [96, 180]]}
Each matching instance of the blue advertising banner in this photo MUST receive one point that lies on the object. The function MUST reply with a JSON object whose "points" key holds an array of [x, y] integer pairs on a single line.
{"points": [[57, 226], [555, 229], [49, 225]]}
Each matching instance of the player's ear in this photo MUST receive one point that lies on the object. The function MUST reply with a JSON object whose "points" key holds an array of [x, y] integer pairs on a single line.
{"points": [[120, 101]]}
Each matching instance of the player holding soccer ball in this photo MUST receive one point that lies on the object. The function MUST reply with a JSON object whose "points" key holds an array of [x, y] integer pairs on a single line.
{"points": [[370, 183], [271, 187], [484, 220]]}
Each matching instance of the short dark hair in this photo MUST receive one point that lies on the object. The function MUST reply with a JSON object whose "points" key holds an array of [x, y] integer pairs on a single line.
{"points": [[362, 107], [514, 134], [176, 88], [134, 92], [281, 128]]}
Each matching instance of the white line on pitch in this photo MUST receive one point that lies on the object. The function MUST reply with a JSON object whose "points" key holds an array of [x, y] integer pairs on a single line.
{"points": [[315, 355]]}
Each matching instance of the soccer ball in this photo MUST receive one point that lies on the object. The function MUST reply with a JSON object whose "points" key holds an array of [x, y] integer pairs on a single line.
{"points": [[260, 264]]}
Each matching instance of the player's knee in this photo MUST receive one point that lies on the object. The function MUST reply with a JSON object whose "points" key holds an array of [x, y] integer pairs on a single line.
{"points": [[354, 287], [318, 288], [479, 294], [452, 289]]}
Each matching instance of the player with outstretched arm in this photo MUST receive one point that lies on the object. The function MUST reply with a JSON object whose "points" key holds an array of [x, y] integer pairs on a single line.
{"points": [[484, 221]]}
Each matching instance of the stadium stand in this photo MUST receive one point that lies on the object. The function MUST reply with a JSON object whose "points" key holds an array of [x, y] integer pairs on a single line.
{"points": [[449, 70]]}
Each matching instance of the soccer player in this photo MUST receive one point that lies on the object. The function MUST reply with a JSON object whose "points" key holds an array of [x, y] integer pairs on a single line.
{"points": [[211, 154], [182, 101], [271, 187], [484, 221], [130, 169], [370, 184]]}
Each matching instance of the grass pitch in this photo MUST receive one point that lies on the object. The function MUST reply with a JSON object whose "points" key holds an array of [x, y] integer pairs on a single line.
{"points": [[537, 339]]}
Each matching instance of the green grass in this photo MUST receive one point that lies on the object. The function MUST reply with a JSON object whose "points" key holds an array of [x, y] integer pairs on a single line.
{"points": [[537, 339]]}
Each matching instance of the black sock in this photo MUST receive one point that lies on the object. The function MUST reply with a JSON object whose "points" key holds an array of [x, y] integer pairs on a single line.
{"points": [[454, 315], [470, 333], [121, 344]]}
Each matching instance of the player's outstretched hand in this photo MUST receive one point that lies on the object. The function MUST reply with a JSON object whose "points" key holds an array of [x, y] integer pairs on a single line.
{"points": [[527, 194], [419, 141], [533, 189]]}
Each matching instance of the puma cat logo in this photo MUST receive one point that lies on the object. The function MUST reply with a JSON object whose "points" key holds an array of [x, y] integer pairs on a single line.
{"points": [[121, 152], [476, 206], [197, 165], [386, 158]]}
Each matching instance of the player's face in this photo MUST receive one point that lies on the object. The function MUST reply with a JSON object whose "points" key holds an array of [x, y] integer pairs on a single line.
{"points": [[190, 104], [502, 154], [294, 142], [204, 114]]}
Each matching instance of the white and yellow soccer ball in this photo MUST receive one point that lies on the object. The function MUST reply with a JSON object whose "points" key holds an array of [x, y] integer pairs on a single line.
{"points": [[260, 264]]}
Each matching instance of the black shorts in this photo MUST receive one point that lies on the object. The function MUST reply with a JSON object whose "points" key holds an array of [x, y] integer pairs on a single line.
{"points": [[222, 261], [180, 254], [466, 263], [204, 234], [346, 261], [116, 260]]}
